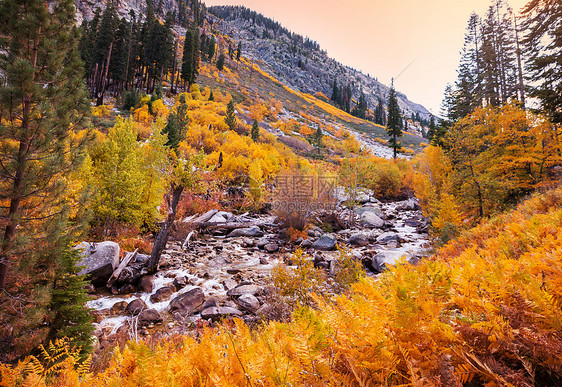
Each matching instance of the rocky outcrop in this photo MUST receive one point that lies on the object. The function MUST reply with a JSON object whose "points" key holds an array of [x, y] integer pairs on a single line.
{"points": [[99, 260]]}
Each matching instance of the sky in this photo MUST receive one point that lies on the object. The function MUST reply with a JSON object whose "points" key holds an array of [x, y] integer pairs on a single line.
{"points": [[383, 37]]}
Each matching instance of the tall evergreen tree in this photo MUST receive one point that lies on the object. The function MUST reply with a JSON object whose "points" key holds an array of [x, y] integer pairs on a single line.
{"points": [[220, 62], [230, 118], [255, 131], [543, 44], [394, 122], [211, 46], [43, 103], [190, 65]]}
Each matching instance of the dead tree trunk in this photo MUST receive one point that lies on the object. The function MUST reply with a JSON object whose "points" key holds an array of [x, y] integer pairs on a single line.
{"points": [[162, 237]]}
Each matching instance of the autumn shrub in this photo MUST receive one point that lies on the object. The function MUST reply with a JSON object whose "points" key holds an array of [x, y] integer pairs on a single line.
{"points": [[347, 270], [298, 284]]}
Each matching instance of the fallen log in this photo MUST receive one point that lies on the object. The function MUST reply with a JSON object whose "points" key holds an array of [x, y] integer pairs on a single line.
{"points": [[128, 258]]}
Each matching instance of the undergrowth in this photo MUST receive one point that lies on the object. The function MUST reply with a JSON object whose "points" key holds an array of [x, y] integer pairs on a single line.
{"points": [[485, 310]]}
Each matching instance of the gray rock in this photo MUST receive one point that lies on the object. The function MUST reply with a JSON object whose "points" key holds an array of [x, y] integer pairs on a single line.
{"points": [[142, 258], [209, 303], [148, 317], [99, 261], [163, 294], [221, 217], [306, 243], [217, 312], [408, 205], [264, 261], [187, 302], [371, 208], [387, 237], [231, 304], [136, 306], [244, 289], [229, 283], [146, 284], [249, 302], [377, 264], [358, 239], [271, 247], [253, 231], [325, 243], [371, 220], [180, 282]]}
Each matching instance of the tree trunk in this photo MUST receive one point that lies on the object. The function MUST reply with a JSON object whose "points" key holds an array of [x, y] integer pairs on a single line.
{"points": [[162, 238], [101, 91]]}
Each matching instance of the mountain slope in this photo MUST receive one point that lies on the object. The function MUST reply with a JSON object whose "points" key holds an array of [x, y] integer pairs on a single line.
{"points": [[297, 61]]}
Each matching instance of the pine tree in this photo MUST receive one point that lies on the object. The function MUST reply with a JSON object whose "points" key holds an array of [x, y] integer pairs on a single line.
{"points": [[543, 44], [70, 318], [220, 62], [172, 130], [211, 48], [255, 131], [43, 104], [211, 96], [230, 118], [394, 123], [182, 117], [230, 51], [190, 59], [239, 51]]}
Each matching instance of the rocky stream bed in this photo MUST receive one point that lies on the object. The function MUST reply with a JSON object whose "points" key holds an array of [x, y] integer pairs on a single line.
{"points": [[222, 273]]}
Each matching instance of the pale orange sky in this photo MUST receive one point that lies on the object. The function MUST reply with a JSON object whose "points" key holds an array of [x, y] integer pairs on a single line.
{"points": [[382, 37]]}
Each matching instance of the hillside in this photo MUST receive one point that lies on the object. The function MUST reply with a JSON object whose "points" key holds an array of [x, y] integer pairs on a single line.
{"points": [[288, 57], [297, 61]]}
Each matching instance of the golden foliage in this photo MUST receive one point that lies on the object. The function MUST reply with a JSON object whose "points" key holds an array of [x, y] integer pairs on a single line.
{"points": [[485, 310]]}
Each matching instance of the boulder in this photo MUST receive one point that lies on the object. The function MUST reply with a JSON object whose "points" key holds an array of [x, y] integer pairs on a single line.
{"points": [[135, 307], [253, 231], [118, 308], [387, 237], [148, 317], [187, 302], [244, 289], [371, 208], [371, 220], [271, 247], [408, 205], [209, 303], [358, 239], [163, 294], [229, 283], [306, 243], [146, 284], [180, 282], [99, 261], [217, 312], [249, 302], [325, 243]]}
